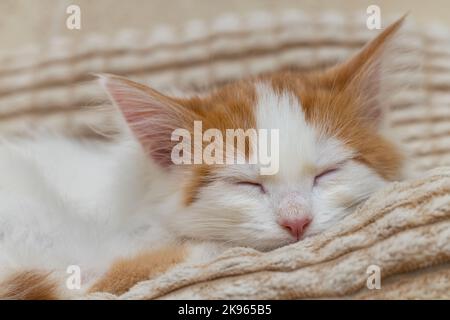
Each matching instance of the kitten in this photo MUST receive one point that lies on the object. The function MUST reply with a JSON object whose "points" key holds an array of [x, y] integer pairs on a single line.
{"points": [[125, 212]]}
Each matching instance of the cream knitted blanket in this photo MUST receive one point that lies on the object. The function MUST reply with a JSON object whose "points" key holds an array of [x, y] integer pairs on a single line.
{"points": [[404, 230]]}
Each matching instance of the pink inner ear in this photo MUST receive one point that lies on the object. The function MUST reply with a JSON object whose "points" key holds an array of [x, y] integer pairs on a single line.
{"points": [[151, 116]]}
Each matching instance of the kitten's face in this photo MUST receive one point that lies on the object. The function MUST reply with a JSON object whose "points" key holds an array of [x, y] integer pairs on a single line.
{"points": [[331, 156], [324, 170]]}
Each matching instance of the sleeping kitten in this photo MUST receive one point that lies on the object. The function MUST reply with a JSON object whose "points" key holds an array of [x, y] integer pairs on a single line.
{"points": [[124, 212]]}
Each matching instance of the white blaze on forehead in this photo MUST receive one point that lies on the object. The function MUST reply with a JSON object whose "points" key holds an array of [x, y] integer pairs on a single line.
{"points": [[301, 146]]}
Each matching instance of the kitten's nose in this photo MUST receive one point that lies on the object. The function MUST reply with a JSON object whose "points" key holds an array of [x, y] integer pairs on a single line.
{"points": [[296, 226]]}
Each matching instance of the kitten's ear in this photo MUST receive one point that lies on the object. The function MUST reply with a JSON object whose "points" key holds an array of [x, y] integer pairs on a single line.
{"points": [[151, 116], [367, 73]]}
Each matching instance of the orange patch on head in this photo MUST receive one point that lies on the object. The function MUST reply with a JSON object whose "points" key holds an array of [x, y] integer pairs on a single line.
{"points": [[230, 107], [345, 102], [199, 177], [337, 114]]}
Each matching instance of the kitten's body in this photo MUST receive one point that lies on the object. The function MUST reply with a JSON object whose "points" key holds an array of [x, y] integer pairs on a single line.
{"points": [[63, 189], [65, 202]]}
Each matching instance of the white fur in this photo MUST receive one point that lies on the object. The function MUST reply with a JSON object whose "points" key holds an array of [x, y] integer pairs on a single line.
{"points": [[65, 203]]}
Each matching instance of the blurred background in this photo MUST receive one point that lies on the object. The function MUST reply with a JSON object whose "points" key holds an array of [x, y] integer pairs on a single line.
{"points": [[24, 22], [46, 69]]}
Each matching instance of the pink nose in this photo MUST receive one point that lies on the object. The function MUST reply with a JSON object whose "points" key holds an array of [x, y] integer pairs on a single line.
{"points": [[296, 226]]}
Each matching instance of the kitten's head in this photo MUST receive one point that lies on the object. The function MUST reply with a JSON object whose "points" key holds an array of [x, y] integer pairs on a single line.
{"points": [[331, 155]]}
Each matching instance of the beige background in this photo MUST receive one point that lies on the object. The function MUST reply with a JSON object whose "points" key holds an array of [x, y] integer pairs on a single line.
{"points": [[25, 22]]}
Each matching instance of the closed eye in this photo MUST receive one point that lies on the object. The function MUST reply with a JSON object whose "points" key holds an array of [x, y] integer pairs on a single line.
{"points": [[324, 174], [252, 184]]}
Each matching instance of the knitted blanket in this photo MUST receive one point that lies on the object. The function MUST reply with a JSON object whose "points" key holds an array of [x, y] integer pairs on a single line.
{"points": [[404, 230]]}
